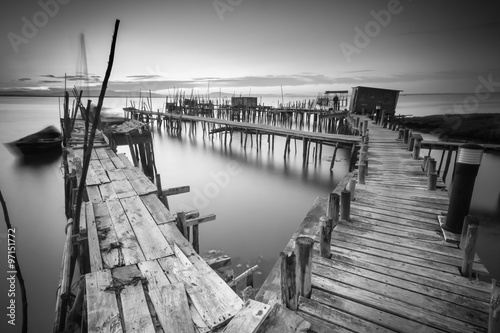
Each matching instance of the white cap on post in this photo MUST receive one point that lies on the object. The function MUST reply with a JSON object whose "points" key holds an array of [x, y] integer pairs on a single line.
{"points": [[470, 154]]}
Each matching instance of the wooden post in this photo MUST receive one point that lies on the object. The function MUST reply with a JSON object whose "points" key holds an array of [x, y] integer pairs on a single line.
{"points": [[494, 319], [333, 210], [424, 164], [352, 187], [325, 236], [361, 172], [288, 286], [469, 219], [132, 152], [163, 198], [416, 148], [345, 205], [86, 160], [401, 134], [181, 224], [411, 143], [432, 181], [365, 128], [196, 238], [406, 135], [303, 269], [431, 166], [470, 249]]}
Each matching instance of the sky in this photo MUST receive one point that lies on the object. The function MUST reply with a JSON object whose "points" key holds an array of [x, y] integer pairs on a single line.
{"points": [[252, 46]]}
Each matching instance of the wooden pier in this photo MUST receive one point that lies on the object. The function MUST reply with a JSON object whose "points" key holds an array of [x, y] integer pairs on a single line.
{"points": [[140, 273], [386, 267]]}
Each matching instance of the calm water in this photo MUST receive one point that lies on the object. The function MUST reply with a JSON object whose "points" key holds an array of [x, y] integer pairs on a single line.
{"points": [[259, 199]]}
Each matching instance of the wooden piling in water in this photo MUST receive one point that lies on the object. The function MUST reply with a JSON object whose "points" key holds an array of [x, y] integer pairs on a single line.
{"points": [[303, 250], [288, 281]]}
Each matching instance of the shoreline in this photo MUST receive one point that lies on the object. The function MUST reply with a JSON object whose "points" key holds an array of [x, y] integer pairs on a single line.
{"points": [[477, 127]]}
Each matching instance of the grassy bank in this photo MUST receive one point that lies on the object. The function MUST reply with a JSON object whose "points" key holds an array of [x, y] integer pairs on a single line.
{"points": [[481, 127]]}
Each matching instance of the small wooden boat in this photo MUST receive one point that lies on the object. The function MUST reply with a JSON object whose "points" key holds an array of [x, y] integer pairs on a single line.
{"points": [[47, 140]]}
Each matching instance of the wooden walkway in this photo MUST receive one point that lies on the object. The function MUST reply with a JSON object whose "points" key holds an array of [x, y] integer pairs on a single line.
{"points": [[390, 269], [143, 274], [324, 138]]}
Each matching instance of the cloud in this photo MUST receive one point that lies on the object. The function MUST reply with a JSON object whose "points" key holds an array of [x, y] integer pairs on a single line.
{"points": [[145, 76], [25, 79]]}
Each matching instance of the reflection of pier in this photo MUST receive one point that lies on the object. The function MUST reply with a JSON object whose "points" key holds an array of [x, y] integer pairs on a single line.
{"points": [[380, 263]]}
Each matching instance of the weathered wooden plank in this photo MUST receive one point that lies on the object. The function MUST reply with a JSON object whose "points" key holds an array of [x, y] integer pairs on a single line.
{"points": [[214, 305], [136, 316], [116, 175], [157, 209], [107, 164], [434, 299], [92, 178], [439, 252], [115, 159], [282, 320], [93, 193], [101, 153], [365, 246], [128, 244], [338, 318], [83, 219], [153, 244], [108, 240], [139, 181], [451, 282], [125, 161], [249, 319], [103, 314], [169, 300], [368, 313], [174, 236], [123, 188], [99, 171], [93, 239], [431, 236], [107, 191], [397, 307]]}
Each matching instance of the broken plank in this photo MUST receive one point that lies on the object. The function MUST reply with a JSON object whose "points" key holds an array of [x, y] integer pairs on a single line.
{"points": [[249, 319]]}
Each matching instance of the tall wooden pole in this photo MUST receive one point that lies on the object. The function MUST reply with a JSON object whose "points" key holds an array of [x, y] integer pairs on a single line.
{"points": [[86, 159]]}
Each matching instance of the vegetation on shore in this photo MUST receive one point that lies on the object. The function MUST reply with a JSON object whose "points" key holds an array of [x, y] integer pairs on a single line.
{"points": [[480, 127]]}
